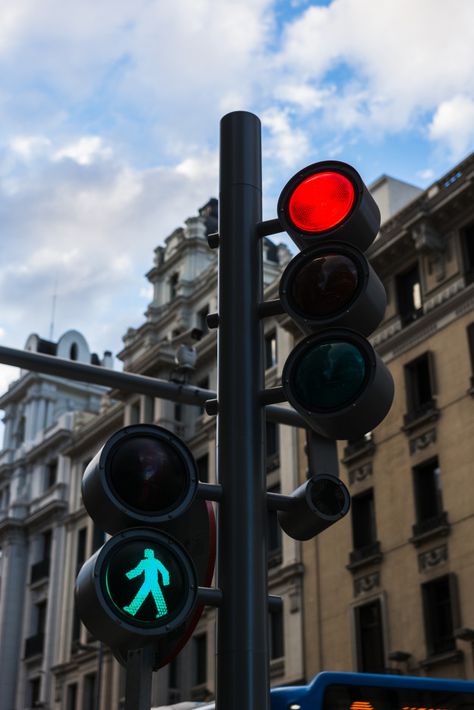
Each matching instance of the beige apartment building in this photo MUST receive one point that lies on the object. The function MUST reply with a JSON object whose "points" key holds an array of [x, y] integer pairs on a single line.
{"points": [[391, 586]]}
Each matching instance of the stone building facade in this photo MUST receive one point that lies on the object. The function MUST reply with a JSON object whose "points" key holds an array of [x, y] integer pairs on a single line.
{"points": [[389, 588], [40, 414]]}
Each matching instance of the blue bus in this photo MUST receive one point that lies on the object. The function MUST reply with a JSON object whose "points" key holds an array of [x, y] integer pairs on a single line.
{"points": [[366, 691]]}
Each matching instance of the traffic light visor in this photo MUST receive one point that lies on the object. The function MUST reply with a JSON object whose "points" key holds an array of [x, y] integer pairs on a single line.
{"points": [[328, 200], [321, 201], [143, 475]]}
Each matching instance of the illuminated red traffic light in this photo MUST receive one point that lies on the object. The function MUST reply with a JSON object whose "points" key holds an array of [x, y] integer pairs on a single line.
{"points": [[321, 201], [328, 200]]}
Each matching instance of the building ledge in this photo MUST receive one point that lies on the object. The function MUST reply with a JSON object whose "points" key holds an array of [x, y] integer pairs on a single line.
{"points": [[365, 556], [358, 449], [453, 656], [438, 526], [426, 414], [277, 667]]}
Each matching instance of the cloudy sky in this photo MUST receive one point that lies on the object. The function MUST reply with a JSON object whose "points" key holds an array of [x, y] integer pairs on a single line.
{"points": [[109, 115]]}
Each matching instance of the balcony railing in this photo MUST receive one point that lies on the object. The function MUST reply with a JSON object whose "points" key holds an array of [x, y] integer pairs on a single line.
{"points": [[435, 523], [421, 412], [364, 554], [361, 447], [34, 645], [40, 570]]}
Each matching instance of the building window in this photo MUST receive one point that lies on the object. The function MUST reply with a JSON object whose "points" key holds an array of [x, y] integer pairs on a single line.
{"points": [[276, 636], [274, 533], [20, 432], [40, 613], [364, 532], [135, 413], [71, 697], [420, 386], [410, 304], [173, 674], [89, 692], [272, 446], [428, 497], [174, 286], [440, 611], [202, 319], [470, 341], [80, 559], [98, 538], [270, 349], [369, 638], [51, 474], [200, 659], [149, 407], [73, 352], [203, 468], [468, 251], [34, 690]]}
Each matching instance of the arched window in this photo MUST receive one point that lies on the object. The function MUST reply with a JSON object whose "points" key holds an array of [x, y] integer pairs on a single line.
{"points": [[73, 351]]}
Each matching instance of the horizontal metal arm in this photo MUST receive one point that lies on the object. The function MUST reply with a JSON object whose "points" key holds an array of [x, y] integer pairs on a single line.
{"points": [[214, 597], [127, 381]]}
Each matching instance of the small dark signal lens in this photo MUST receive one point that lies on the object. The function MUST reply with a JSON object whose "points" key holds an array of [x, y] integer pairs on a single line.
{"points": [[324, 286]]}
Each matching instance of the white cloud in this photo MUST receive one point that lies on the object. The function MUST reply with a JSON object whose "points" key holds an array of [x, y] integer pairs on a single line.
{"points": [[85, 151], [110, 115], [287, 144], [395, 60], [28, 147], [426, 174], [453, 125], [92, 226]]}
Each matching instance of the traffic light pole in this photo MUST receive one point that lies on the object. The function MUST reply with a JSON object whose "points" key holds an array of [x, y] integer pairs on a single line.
{"points": [[242, 656], [139, 678]]}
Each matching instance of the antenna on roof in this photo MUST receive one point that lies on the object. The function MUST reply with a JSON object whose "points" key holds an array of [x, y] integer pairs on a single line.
{"points": [[53, 307]]}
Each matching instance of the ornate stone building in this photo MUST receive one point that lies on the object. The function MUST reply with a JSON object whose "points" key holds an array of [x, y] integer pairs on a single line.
{"points": [[41, 413], [390, 586]]}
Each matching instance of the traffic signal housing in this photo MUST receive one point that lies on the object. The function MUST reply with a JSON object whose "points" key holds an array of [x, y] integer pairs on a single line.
{"points": [[333, 377], [142, 586]]}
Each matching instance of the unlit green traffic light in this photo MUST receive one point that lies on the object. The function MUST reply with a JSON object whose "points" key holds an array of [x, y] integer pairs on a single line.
{"points": [[328, 375]]}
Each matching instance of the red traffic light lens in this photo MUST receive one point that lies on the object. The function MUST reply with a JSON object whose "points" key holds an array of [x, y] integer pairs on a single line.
{"points": [[321, 201], [324, 286]]}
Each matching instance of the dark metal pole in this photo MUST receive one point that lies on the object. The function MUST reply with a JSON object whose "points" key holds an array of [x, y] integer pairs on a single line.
{"points": [[139, 673], [242, 656]]}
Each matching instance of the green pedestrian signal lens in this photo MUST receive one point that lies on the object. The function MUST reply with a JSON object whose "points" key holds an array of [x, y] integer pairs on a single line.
{"points": [[328, 375], [324, 286], [145, 582], [147, 474]]}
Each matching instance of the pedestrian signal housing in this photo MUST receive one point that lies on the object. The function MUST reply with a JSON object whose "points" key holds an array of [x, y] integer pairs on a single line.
{"points": [[142, 586], [317, 504]]}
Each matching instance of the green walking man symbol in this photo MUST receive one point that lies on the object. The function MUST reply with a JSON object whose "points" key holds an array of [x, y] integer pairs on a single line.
{"points": [[150, 567]]}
